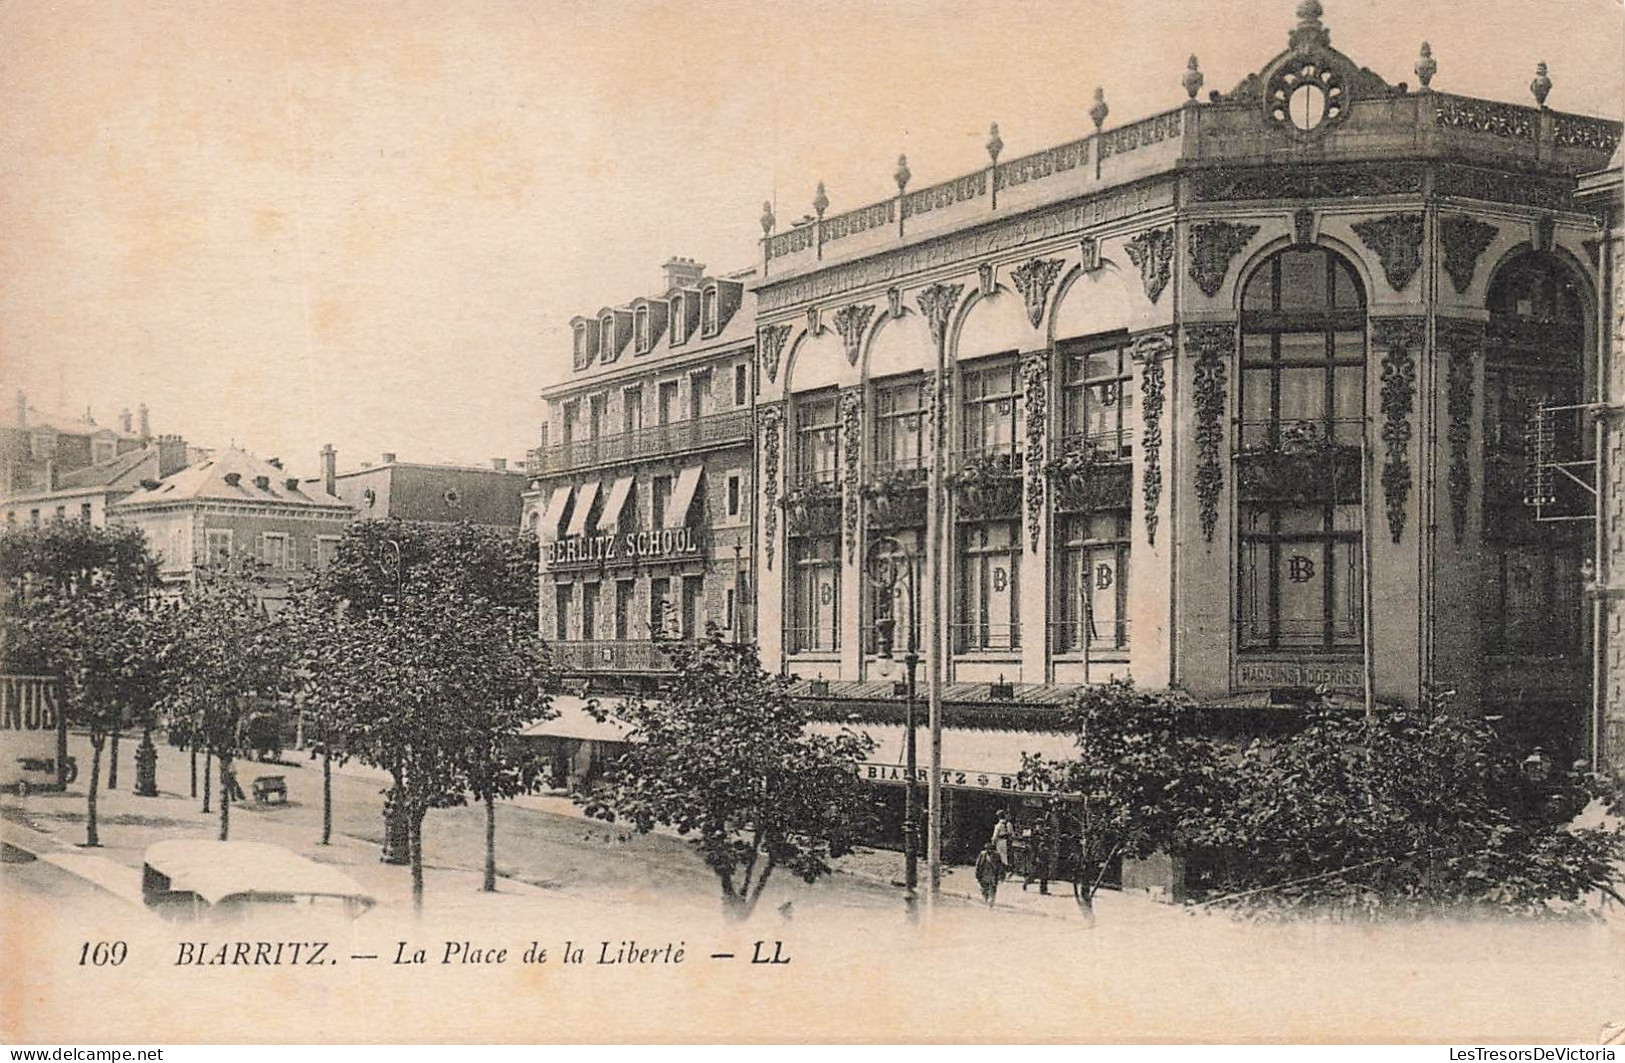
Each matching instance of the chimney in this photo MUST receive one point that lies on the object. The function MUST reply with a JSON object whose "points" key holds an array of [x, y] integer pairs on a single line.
{"points": [[22, 409], [683, 273], [499, 464], [389, 457], [146, 425], [171, 455], [330, 469], [262, 482], [124, 423]]}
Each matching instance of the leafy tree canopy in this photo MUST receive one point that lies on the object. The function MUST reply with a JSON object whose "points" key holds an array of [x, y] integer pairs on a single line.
{"points": [[723, 754]]}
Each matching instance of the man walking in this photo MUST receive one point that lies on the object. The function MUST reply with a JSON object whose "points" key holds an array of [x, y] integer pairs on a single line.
{"points": [[988, 872]]}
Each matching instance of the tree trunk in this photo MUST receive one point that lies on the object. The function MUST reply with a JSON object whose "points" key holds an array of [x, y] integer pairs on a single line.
{"points": [[225, 798], [92, 840], [415, 821], [112, 764], [491, 844], [194, 769], [208, 776], [735, 908], [327, 794]]}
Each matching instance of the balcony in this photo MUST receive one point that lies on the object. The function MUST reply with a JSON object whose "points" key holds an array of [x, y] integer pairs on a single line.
{"points": [[717, 430], [987, 482], [618, 656], [1099, 638], [896, 493], [986, 638], [1301, 465]]}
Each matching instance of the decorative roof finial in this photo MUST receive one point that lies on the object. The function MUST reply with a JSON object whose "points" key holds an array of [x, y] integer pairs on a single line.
{"points": [[1193, 78], [1542, 85], [820, 201], [994, 144], [901, 174], [1099, 111], [1309, 32], [1426, 66], [767, 218]]}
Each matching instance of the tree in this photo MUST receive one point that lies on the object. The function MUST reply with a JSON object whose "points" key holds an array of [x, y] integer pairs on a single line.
{"points": [[1415, 811], [77, 606], [431, 665], [231, 659], [724, 754], [497, 671], [1137, 786]]}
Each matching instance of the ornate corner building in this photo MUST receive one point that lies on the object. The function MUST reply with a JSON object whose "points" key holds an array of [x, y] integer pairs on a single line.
{"points": [[1284, 389]]}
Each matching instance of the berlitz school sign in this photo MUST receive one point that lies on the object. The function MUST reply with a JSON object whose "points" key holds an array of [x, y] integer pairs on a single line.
{"points": [[583, 551]]}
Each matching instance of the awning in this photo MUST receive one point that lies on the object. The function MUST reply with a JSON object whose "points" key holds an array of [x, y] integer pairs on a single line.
{"points": [[610, 518], [682, 497], [573, 721], [584, 499], [555, 512], [971, 759]]}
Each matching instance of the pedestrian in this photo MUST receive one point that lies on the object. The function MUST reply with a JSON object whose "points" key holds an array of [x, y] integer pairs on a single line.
{"points": [[1003, 834], [988, 873], [1040, 856]]}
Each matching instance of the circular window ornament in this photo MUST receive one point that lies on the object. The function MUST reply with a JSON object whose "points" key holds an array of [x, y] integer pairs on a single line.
{"points": [[1306, 97], [453, 496], [370, 497]]}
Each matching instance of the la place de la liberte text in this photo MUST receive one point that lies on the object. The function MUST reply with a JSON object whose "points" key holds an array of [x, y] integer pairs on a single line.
{"points": [[770, 953]]}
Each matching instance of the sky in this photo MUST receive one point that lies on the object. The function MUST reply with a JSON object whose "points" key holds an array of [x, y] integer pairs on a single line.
{"points": [[286, 223]]}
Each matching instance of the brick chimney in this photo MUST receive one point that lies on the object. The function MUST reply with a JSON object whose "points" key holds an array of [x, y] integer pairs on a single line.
{"points": [[171, 455], [124, 422], [389, 457], [683, 273], [499, 464], [330, 469], [146, 425]]}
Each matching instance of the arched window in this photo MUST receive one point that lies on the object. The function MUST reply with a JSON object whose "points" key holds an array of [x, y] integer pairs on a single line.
{"points": [[679, 320], [1303, 357], [1534, 356], [606, 340]]}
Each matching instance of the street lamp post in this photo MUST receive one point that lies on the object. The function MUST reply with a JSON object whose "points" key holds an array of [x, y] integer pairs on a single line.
{"points": [[885, 630]]}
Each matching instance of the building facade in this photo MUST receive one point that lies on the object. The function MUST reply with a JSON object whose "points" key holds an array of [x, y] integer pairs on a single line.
{"points": [[643, 489], [85, 493], [1603, 189], [37, 447], [402, 490], [233, 505], [1288, 389]]}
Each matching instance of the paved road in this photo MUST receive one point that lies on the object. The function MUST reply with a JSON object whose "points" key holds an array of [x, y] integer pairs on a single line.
{"points": [[561, 853]]}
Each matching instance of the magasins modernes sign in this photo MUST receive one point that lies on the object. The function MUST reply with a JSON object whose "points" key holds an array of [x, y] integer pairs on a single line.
{"points": [[622, 548]]}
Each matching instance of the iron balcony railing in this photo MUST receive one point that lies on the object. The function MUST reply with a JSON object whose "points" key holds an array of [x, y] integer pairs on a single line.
{"points": [[986, 638], [721, 429], [614, 655], [1100, 636], [810, 640]]}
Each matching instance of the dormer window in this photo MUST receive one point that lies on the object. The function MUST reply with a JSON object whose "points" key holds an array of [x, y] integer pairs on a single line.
{"points": [[641, 320], [583, 353], [679, 320], [708, 310], [606, 334]]}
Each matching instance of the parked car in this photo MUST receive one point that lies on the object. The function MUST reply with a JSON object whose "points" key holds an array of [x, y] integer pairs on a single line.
{"points": [[190, 880]]}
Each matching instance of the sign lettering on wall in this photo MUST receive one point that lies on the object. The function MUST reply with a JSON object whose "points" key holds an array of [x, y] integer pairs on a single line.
{"points": [[1342, 676], [591, 551], [953, 778]]}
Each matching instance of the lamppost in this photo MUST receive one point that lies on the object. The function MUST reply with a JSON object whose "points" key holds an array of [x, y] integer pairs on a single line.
{"points": [[884, 572], [397, 840]]}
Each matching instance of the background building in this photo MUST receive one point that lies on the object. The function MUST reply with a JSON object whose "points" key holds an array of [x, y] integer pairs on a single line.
{"points": [[643, 490], [85, 493], [416, 491], [37, 446], [232, 504]]}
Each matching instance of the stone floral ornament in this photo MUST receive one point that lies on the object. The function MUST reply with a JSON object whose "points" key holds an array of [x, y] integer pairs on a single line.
{"points": [[1089, 479], [1397, 240], [988, 486], [1150, 351], [1213, 245], [852, 446], [770, 339], [771, 423], [1399, 339], [1035, 396], [1302, 465], [1213, 343], [896, 499], [812, 508]]}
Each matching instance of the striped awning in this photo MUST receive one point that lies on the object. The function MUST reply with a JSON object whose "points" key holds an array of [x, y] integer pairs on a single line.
{"points": [[554, 516], [585, 494], [610, 518], [682, 496]]}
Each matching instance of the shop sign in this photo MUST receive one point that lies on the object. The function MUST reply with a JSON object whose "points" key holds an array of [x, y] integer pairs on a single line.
{"points": [[953, 778], [664, 544], [1341, 676]]}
